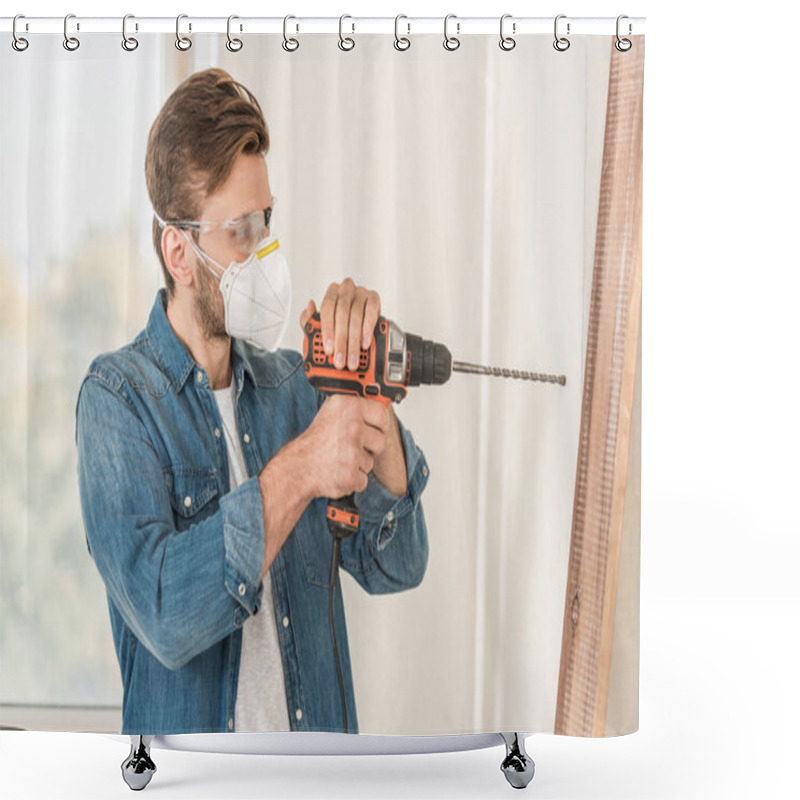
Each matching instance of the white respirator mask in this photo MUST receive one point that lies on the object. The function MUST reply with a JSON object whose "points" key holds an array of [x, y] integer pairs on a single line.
{"points": [[257, 293]]}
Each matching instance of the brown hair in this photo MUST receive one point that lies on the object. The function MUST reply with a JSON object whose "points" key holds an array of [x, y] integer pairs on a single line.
{"points": [[206, 123]]}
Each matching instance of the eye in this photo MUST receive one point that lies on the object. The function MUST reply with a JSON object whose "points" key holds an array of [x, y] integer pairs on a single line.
{"points": [[240, 232]]}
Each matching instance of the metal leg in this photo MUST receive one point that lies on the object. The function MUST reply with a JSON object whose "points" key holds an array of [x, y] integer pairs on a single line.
{"points": [[518, 766], [138, 767]]}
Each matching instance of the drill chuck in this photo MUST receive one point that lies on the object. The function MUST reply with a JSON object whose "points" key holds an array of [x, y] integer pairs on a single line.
{"points": [[426, 361]]}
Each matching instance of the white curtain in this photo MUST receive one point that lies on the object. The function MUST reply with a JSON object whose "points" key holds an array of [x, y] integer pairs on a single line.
{"points": [[463, 187]]}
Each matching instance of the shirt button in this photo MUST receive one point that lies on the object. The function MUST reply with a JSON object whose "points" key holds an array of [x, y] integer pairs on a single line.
{"points": [[298, 714], [199, 375], [389, 517], [247, 438], [286, 622], [230, 724], [425, 471], [242, 589], [187, 501], [217, 433]]}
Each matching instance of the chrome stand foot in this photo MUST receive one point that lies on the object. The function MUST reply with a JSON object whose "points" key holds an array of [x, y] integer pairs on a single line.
{"points": [[138, 767], [518, 766]]}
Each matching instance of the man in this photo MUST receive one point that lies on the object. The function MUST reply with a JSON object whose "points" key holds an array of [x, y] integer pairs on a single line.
{"points": [[205, 462]]}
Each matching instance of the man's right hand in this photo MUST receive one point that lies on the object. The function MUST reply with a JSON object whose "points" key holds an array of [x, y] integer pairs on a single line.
{"points": [[331, 458], [343, 440]]}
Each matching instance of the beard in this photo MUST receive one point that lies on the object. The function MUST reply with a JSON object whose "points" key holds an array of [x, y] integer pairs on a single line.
{"points": [[208, 305]]}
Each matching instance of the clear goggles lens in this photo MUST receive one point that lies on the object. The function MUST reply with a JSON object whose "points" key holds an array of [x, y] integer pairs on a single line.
{"points": [[246, 232], [243, 233]]}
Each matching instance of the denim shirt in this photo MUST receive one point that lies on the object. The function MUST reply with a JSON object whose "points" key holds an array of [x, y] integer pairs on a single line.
{"points": [[181, 555]]}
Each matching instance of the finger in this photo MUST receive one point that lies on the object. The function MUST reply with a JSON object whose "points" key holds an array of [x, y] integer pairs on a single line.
{"points": [[365, 461], [354, 335], [350, 406], [373, 441], [326, 311], [342, 322], [307, 313], [376, 414], [371, 314]]}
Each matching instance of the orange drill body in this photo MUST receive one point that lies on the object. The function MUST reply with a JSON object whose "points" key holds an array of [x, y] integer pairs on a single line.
{"points": [[379, 366]]}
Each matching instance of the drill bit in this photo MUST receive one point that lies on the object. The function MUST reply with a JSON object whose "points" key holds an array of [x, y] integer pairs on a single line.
{"points": [[476, 369]]}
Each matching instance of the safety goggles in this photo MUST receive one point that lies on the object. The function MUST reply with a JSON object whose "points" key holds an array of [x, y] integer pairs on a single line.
{"points": [[243, 233]]}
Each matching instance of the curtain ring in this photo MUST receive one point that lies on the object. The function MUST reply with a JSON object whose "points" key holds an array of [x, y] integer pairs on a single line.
{"points": [[183, 43], [289, 45], [623, 45], [70, 42], [234, 45], [18, 43], [507, 42], [401, 42], [561, 43], [451, 42], [129, 43], [346, 43]]}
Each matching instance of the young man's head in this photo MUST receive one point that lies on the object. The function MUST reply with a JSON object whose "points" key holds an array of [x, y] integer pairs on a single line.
{"points": [[205, 162]]}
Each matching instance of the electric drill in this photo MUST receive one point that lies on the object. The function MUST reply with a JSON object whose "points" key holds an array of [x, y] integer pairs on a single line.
{"points": [[394, 361]]}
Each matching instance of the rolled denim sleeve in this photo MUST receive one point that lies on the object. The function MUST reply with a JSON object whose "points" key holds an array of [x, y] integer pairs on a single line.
{"points": [[389, 552], [242, 514], [179, 591]]}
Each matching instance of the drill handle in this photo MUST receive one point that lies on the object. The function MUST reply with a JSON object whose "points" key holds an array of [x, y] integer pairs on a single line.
{"points": [[343, 516]]}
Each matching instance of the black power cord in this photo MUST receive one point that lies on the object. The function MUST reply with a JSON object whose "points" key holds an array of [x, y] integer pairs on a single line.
{"points": [[337, 548], [342, 519]]}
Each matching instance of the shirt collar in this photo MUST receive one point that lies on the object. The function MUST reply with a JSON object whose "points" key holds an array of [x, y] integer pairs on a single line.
{"points": [[241, 365], [173, 357]]}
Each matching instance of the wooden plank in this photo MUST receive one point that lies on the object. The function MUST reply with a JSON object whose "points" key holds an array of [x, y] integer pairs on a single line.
{"points": [[608, 394]]}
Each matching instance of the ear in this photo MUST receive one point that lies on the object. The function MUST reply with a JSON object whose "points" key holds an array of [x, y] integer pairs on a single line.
{"points": [[178, 256]]}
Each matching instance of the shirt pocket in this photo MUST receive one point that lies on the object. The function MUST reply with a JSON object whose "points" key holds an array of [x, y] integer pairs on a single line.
{"points": [[315, 543], [193, 493]]}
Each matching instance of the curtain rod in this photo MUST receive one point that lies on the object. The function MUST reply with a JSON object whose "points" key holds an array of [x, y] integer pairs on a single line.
{"points": [[348, 25]]}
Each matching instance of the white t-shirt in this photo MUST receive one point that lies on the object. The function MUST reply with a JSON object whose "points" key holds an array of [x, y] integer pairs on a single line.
{"points": [[261, 696]]}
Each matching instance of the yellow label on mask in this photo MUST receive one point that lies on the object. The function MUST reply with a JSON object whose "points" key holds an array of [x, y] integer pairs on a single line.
{"points": [[265, 251]]}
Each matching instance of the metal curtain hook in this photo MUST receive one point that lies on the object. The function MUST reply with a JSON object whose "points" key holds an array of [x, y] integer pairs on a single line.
{"points": [[290, 45], [401, 42], [623, 45], [561, 44], [183, 43], [129, 43], [346, 43], [234, 45], [451, 42], [18, 42], [507, 42], [70, 42]]}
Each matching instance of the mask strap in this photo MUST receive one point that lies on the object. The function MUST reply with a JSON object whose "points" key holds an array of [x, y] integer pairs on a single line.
{"points": [[203, 256]]}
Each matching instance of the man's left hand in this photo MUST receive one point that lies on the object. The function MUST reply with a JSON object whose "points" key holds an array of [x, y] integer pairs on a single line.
{"points": [[348, 314]]}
